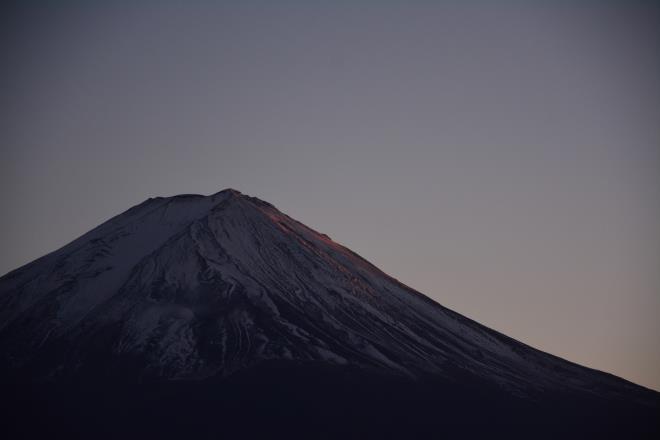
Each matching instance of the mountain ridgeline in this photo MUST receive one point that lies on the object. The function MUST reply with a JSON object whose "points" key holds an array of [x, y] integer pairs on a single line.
{"points": [[221, 316]]}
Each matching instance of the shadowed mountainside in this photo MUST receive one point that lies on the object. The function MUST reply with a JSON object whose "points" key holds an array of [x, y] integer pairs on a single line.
{"points": [[201, 314]]}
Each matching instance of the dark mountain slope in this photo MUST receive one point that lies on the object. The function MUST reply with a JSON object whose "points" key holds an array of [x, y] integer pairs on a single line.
{"points": [[243, 313]]}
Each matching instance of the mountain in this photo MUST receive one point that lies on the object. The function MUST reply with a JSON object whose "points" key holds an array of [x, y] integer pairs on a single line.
{"points": [[205, 309]]}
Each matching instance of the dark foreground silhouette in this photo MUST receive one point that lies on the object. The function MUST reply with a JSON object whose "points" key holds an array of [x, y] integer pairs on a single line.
{"points": [[281, 400]]}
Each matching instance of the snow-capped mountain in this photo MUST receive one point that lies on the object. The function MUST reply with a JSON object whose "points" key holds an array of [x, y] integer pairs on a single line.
{"points": [[202, 287]]}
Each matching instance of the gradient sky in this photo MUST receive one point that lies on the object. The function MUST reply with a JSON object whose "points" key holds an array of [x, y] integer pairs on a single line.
{"points": [[504, 160]]}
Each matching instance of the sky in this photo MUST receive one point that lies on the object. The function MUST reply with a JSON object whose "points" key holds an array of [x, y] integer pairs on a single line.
{"points": [[502, 159]]}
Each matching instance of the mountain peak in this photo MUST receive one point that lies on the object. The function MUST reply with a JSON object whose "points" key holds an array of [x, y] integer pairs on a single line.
{"points": [[225, 193], [206, 202], [229, 191]]}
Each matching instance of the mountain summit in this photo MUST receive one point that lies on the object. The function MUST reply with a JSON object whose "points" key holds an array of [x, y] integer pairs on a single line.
{"points": [[207, 289]]}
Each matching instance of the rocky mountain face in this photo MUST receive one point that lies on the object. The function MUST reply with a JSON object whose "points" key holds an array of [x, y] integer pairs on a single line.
{"points": [[193, 289]]}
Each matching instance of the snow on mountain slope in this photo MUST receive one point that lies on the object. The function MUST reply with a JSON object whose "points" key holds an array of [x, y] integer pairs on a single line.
{"points": [[192, 287]]}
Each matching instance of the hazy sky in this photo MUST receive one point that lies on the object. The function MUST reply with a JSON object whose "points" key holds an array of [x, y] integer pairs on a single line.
{"points": [[504, 160]]}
